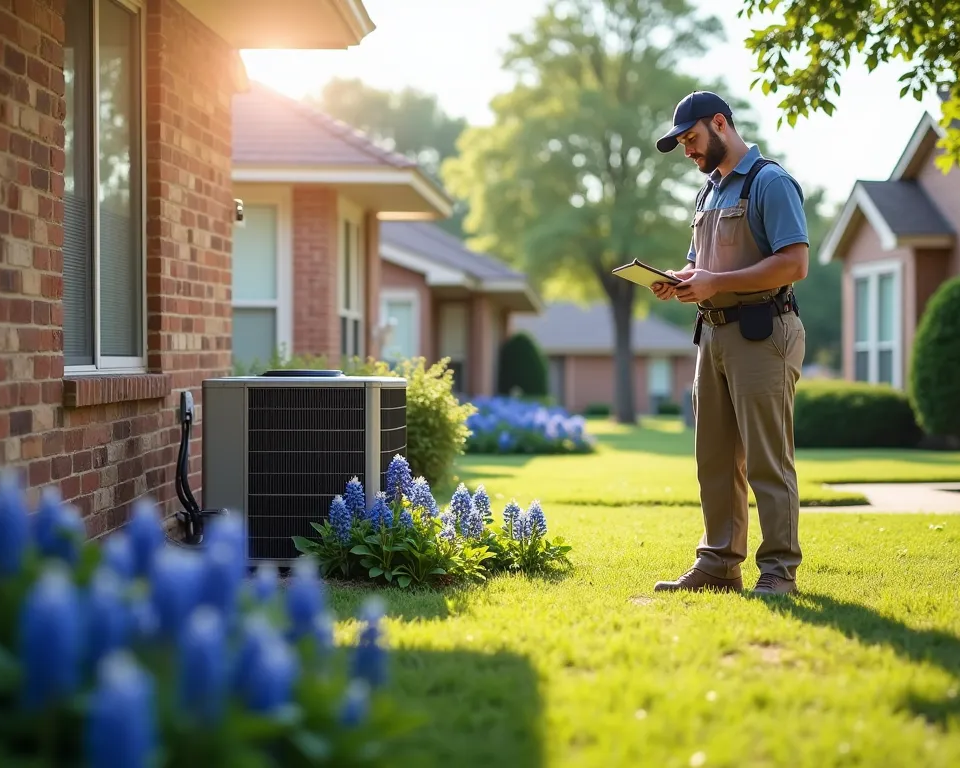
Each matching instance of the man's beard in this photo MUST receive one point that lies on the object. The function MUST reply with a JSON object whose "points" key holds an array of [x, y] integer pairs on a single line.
{"points": [[716, 152]]}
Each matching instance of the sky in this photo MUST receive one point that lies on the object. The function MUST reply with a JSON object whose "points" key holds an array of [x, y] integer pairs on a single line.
{"points": [[453, 48]]}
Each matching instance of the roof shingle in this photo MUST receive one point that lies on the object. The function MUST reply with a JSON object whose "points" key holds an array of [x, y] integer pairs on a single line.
{"points": [[906, 208], [270, 128]]}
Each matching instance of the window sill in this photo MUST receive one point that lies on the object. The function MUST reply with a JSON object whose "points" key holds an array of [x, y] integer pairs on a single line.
{"points": [[80, 391]]}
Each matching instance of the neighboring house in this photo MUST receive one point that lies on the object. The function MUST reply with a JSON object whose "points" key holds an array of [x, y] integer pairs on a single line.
{"points": [[898, 242], [441, 299], [116, 216], [579, 344], [306, 265]]}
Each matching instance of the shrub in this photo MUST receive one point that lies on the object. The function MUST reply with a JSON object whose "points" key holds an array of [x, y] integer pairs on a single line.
{"points": [[522, 367], [845, 414], [669, 408], [508, 425], [935, 363], [136, 653], [436, 420], [596, 410], [404, 538]]}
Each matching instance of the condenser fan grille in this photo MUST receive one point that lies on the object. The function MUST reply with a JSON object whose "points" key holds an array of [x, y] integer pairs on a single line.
{"points": [[302, 446], [393, 428]]}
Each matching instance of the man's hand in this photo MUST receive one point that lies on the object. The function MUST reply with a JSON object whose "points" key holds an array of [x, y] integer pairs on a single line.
{"points": [[698, 285], [664, 291]]}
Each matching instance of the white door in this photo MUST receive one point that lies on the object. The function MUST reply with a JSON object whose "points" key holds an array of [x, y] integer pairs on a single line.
{"points": [[256, 286], [400, 312]]}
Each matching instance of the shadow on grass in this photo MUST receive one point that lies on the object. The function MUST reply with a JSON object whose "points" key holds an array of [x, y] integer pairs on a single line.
{"points": [[866, 626], [482, 709]]}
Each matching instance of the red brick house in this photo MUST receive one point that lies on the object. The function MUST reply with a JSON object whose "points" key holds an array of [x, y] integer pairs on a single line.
{"points": [[579, 344], [897, 239], [306, 277], [442, 299], [117, 211]]}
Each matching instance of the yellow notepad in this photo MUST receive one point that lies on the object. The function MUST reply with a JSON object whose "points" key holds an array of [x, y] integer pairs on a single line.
{"points": [[643, 274]]}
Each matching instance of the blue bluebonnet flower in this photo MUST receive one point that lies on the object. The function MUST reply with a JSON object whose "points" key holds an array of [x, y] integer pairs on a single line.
{"points": [[405, 519], [421, 497], [120, 728], [223, 576], [482, 502], [69, 533], [461, 506], [118, 556], [538, 520], [272, 675], [471, 525], [256, 631], [305, 596], [511, 519], [512, 424], [524, 527], [143, 618], [146, 535], [356, 704], [399, 479], [355, 498], [341, 519], [323, 631], [449, 531], [14, 526], [176, 581], [108, 622], [265, 582], [51, 638], [380, 512], [45, 520], [369, 659], [204, 672], [505, 442]]}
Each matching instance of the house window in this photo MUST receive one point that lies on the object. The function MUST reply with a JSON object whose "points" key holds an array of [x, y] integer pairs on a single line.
{"points": [[400, 310], [877, 318], [350, 291], [659, 381], [454, 341], [104, 303]]}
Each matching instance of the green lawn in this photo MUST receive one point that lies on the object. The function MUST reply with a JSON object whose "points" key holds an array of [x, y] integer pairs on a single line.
{"points": [[592, 669], [654, 465]]}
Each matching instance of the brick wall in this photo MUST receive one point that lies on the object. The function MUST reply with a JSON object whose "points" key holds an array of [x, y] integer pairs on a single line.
{"points": [[316, 325], [108, 440]]}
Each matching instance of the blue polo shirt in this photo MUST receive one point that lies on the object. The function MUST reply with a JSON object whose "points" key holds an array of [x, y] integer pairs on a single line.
{"points": [[774, 210]]}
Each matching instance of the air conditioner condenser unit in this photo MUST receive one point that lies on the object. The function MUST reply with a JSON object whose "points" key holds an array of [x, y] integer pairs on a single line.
{"points": [[278, 447]]}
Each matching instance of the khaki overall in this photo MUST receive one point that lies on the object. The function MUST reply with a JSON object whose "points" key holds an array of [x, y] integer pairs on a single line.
{"points": [[743, 397]]}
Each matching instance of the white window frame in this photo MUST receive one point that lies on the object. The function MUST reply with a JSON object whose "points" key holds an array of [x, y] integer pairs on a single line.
{"points": [[281, 197], [349, 212], [403, 294], [102, 363], [871, 272]]}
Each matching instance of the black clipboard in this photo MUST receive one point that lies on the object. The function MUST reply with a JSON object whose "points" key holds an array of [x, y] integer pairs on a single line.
{"points": [[643, 274]]}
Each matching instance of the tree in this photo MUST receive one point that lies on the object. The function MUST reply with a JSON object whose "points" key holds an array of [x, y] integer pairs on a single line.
{"points": [[829, 32], [408, 122], [567, 183]]}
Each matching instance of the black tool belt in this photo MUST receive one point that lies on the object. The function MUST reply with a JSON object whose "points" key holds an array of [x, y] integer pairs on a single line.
{"points": [[782, 302]]}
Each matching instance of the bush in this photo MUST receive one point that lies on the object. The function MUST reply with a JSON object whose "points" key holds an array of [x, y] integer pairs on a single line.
{"points": [[669, 408], [522, 367], [935, 364], [136, 653], [436, 420], [404, 538], [508, 425], [845, 414], [596, 410]]}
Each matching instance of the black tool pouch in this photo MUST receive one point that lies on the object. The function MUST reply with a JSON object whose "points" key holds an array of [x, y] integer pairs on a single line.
{"points": [[697, 328], [756, 321]]}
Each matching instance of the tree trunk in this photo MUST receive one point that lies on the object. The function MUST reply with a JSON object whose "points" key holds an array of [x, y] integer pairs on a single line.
{"points": [[621, 303]]}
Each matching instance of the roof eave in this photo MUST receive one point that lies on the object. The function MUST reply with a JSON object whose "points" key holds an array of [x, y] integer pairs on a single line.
{"points": [[923, 139], [395, 193]]}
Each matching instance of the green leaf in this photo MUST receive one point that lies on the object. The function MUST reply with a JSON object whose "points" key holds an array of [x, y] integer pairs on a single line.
{"points": [[374, 572], [360, 549], [304, 545], [403, 581]]}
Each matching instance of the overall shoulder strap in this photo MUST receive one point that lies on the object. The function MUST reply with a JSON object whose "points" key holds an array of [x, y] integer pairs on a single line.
{"points": [[702, 195], [752, 174]]}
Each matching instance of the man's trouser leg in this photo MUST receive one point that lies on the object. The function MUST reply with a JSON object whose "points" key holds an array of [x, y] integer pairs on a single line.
{"points": [[720, 463], [762, 376]]}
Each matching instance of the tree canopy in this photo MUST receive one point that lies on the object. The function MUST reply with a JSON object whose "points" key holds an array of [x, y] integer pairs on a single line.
{"points": [[807, 49]]}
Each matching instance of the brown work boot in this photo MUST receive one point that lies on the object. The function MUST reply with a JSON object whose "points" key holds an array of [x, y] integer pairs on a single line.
{"points": [[698, 581], [768, 584]]}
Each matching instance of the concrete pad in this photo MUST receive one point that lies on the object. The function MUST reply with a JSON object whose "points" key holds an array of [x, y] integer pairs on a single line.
{"points": [[899, 498]]}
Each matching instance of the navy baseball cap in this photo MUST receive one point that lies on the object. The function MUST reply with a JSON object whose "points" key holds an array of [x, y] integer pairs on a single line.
{"points": [[696, 106]]}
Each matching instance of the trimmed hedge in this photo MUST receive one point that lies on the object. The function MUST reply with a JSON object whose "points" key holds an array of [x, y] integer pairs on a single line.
{"points": [[522, 368], [935, 363], [846, 414]]}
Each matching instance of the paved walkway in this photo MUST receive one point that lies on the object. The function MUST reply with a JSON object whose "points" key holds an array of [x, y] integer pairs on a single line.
{"points": [[917, 498]]}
